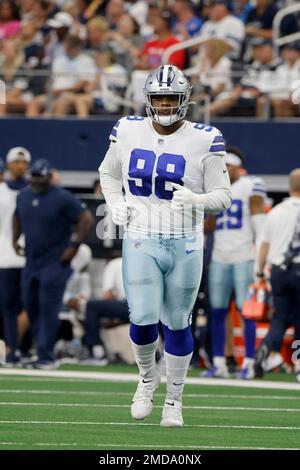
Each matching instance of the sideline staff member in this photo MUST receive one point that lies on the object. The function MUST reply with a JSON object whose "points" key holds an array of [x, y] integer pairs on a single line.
{"points": [[46, 214], [11, 265], [281, 249]]}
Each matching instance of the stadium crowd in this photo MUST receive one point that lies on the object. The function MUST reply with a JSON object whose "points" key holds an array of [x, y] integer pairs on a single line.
{"points": [[89, 57]]}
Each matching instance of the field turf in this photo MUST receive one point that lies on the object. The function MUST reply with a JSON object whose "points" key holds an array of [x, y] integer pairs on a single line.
{"points": [[64, 413]]}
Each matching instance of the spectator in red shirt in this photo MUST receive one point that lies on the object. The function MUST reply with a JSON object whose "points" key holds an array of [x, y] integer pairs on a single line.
{"points": [[151, 56]]}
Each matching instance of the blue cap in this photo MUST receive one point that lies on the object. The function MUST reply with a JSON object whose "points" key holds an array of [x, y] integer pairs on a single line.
{"points": [[2, 166], [41, 168], [293, 45]]}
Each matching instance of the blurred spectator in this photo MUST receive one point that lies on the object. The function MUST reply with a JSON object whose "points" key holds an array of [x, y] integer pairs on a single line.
{"points": [[2, 171], [11, 60], [126, 42], [99, 97], [33, 73], [47, 215], [9, 19], [26, 8], [247, 93], [214, 70], [222, 25], [147, 28], [42, 11], [260, 20], [112, 305], [60, 25], [31, 43], [138, 9], [186, 23], [242, 8], [153, 50], [72, 73], [97, 34], [113, 13], [25, 84], [23, 59], [286, 74], [113, 76]]}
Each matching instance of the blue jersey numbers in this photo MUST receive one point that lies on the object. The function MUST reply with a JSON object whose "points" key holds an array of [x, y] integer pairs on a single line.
{"points": [[169, 167], [232, 219]]}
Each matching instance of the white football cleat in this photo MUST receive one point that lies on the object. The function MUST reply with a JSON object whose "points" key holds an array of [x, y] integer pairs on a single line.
{"points": [[142, 402], [172, 414]]}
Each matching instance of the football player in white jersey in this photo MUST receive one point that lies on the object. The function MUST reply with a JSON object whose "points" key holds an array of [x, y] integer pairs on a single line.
{"points": [[171, 170], [232, 266], [11, 264]]}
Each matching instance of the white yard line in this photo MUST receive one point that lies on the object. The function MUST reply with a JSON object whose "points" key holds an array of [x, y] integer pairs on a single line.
{"points": [[187, 407], [139, 446], [129, 394], [133, 423], [124, 377]]}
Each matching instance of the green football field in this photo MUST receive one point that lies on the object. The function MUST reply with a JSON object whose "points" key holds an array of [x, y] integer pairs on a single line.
{"points": [[81, 413]]}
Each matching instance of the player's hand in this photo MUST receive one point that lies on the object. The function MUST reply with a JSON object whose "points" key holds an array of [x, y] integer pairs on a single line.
{"points": [[260, 278], [18, 249], [121, 213], [182, 197], [74, 304]]}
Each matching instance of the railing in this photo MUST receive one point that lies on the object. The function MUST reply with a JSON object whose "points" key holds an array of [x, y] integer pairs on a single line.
{"points": [[104, 91], [200, 111]]}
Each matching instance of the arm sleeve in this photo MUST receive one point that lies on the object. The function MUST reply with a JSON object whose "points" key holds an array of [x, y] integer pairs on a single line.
{"points": [[217, 195], [111, 176]]}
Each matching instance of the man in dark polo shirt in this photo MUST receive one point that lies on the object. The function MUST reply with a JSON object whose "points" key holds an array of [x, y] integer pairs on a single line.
{"points": [[54, 223]]}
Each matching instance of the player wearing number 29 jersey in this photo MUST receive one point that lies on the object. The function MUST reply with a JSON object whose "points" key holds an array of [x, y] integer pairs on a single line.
{"points": [[235, 232], [171, 170], [232, 266]]}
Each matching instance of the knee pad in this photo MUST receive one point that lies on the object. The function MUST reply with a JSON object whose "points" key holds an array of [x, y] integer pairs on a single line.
{"points": [[143, 334], [180, 342]]}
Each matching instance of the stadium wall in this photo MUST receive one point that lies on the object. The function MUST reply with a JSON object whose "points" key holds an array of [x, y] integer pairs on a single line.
{"points": [[74, 145]]}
